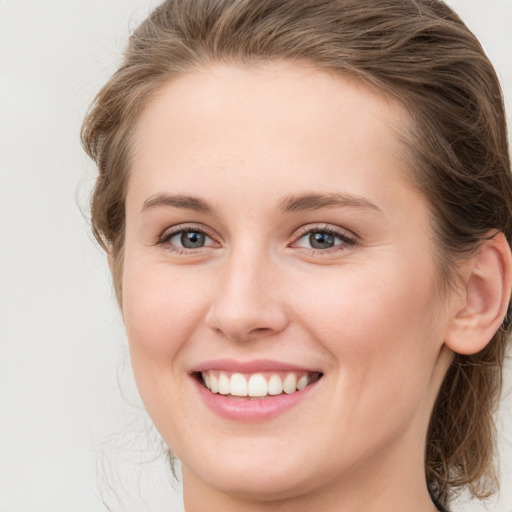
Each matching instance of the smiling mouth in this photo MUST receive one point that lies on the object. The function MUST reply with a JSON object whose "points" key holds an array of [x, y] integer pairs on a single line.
{"points": [[256, 385]]}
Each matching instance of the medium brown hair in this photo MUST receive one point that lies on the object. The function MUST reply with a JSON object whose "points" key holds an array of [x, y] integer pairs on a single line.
{"points": [[417, 51]]}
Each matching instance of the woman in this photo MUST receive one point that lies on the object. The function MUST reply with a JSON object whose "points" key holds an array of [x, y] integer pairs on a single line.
{"points": [[306, 207]]}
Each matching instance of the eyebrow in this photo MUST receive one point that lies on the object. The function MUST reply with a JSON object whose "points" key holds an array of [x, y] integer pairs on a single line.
{"points": [[288, 204], [178, 201], [316, 201]]}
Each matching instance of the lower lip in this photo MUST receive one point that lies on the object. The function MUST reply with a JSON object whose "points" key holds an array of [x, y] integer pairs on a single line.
{"points": [[251, 409]]}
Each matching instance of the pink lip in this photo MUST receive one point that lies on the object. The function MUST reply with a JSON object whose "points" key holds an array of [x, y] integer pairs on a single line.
{"points": [[256, 365], [249, 409]]}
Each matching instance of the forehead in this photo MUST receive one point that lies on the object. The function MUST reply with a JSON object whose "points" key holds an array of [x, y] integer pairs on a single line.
{"points": [[278, 120]]}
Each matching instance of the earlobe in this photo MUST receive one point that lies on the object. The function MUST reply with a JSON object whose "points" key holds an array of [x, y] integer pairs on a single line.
{"points": [[485, 297]]}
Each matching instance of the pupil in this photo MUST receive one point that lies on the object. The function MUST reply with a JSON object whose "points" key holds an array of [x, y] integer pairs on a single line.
{"points": [[321, 240], [192, 239]]}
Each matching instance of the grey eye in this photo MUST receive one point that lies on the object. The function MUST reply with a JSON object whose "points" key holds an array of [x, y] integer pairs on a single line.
{"points": [[324, 239], [191, 239], [321, 240], [188, 239]]}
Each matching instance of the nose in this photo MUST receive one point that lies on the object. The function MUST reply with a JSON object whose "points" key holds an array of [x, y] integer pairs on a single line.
{"points": [[249, 301]]}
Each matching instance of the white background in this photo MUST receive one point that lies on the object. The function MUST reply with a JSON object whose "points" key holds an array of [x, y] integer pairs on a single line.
{"points": [[63, 357]]}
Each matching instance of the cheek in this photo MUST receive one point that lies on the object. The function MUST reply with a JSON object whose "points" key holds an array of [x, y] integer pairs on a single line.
{"points": [[381, 333], [160, 309], [161, 312], [375, 310]]}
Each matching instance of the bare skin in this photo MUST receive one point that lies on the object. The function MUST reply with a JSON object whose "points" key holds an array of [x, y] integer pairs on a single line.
{"points": [[309, 248]]}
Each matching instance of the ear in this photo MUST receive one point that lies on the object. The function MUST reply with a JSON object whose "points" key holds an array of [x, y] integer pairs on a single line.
{"points": [[485, 294]]}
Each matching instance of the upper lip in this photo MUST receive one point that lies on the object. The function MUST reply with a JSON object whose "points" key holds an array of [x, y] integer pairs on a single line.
{"points": [[256, 365]]}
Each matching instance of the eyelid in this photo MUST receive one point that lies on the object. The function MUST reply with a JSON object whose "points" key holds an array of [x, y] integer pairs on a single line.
{"points": [[168, 233], [349, 239]]}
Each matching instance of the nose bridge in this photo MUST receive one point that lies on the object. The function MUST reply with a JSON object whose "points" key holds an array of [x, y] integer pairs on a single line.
{"points": [[247, 302]]}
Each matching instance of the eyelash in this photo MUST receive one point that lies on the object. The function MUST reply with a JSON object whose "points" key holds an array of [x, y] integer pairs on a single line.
{"points": [[166, 237], [346, 241]]}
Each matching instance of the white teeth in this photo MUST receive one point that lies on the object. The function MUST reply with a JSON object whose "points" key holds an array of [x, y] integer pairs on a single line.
{"points": [[238, 385], [255, 385], [214, 383], [224, 387], [275, 385], [290, 383], [302, 382], [258, 385]]}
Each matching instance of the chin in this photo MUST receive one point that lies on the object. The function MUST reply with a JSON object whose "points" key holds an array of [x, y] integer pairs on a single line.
{"points": [[263, 474], [261, 483]]}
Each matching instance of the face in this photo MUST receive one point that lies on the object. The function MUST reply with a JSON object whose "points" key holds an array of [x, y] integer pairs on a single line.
{"points": [[279, 282]]}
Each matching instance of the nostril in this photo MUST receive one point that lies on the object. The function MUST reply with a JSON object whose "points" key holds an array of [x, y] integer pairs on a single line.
{"points": [[242, 321], [261, 330]]}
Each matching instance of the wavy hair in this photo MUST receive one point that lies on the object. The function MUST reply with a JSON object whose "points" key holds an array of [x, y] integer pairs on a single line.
{"points": [[417, 51]]}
